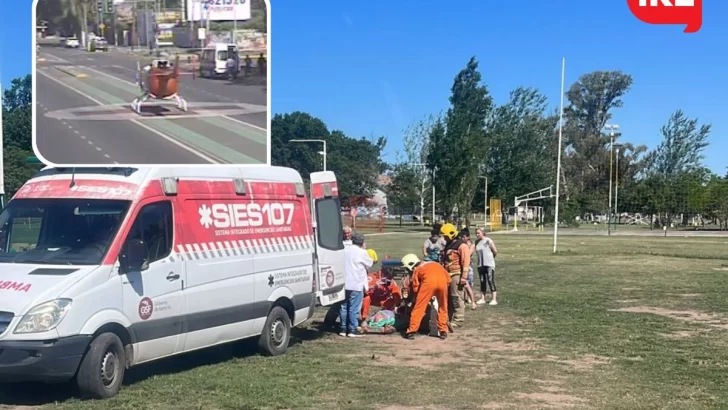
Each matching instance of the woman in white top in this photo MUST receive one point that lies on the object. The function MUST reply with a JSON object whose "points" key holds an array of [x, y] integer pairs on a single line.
{"points": [[468, 288], [486, 250]]}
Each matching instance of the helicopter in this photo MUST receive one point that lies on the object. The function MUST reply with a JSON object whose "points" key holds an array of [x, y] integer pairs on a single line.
{"points": [[158, 81]]}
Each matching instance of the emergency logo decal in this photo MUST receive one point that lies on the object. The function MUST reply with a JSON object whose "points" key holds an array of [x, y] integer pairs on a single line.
{"points": [[250, 218], [271, 280], [146, 307], [205, 216]]}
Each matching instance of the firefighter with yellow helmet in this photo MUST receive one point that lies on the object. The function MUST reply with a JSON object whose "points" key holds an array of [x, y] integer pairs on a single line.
{"points": [[456, 259]]}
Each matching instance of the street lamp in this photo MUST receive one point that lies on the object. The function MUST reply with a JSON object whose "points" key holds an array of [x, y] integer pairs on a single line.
{"points": [[611, 128], [322, 153]]}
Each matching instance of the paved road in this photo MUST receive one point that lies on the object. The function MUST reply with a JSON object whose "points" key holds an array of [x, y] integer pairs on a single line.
{"points": [[83, 115]]}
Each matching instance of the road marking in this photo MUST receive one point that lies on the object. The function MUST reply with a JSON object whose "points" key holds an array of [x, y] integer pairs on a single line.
{"points": [[159, 133], [247, 124]]}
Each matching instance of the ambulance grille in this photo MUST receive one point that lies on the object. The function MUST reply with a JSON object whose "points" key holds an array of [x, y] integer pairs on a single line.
{"points": [[5, 319]]}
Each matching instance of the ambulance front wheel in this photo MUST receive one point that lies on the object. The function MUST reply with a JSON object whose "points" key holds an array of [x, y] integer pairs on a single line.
{"points": [[102, 369], [276, 333]]}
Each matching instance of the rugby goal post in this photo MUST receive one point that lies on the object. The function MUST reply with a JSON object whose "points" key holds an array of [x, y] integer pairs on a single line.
{"points": [[544, 193]]}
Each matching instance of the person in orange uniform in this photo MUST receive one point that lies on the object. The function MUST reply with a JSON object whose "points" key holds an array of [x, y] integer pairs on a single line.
{"points": [[457, 263], [428, 279], [383, 292]]}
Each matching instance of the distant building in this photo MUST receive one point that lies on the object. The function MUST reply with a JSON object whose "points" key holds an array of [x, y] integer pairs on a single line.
{"points": [[380, 198]]}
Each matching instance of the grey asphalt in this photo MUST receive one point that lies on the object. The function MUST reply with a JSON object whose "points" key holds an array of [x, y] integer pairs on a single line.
{"points": [[69, 79]]}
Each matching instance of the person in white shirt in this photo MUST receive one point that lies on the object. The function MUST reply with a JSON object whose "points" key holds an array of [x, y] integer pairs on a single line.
{"points": [[347, 236], [486, 250], [357, 262]]}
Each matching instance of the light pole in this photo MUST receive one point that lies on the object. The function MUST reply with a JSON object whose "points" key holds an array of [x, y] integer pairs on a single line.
{"points": [[611, 128], [322, 153], [485, 202], [558, 160]]}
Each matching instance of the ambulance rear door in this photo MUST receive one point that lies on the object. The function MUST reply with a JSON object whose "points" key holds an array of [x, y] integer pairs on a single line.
{"points": [[328, 238]]}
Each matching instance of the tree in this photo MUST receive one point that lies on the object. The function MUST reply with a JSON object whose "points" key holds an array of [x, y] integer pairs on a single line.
{"points": [[416, 145], [682, 146], [522, 154], [455, 156], [17, 134], [18, 114], [403, 191], [586, 160], [356, 162]]}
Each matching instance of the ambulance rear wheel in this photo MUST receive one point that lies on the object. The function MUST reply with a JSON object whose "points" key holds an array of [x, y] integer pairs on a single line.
{"points": [[102, 368], [276, 333]]}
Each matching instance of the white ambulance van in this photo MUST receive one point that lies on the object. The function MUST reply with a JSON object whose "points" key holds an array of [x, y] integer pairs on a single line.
{"points": [[102, 269]]}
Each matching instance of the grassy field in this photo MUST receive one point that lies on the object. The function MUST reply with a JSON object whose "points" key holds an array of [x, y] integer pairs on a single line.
{"points": [[609, 323]]}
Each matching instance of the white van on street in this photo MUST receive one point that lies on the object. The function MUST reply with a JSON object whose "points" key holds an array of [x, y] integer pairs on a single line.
{"points": [[213, 60], [102, 269]]}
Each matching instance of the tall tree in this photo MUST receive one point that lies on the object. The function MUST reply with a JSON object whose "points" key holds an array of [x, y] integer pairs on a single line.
{"points": [[18, 114], [522, 155], [356, 162], [416, 142], [464, 144], [17, 134], [682, 146], [586, 163]]}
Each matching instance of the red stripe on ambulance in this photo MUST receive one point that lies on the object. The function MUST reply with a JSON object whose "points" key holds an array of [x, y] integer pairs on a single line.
{"points": [[81, 189], [317, 190]]}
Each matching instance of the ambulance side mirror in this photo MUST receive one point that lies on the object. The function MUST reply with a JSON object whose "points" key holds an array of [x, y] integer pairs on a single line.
{"points": [[134, 257]]}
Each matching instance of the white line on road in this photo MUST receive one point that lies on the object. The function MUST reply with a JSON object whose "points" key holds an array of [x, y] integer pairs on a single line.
{"points": [[146, 127]]}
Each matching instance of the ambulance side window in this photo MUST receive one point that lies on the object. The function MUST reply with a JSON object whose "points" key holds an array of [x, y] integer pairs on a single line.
{"points": [[24, 230], [328, 224], [154, 226]]}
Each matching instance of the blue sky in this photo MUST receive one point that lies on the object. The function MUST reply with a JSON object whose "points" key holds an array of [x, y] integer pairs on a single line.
{"points": [[372, 68], [16, 54]]}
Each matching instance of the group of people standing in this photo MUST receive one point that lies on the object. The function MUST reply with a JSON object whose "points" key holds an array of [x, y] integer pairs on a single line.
{"points": [[445, 273], [484, 251]]}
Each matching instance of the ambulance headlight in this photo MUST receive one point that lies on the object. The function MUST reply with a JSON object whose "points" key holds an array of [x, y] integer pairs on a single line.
{"points": [[44, 317]]}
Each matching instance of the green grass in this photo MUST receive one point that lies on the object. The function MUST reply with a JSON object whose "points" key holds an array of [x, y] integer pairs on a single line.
{"points": [[555, 340]]}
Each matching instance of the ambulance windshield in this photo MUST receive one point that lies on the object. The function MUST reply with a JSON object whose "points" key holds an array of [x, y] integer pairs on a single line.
{"points": [[59, 231]]}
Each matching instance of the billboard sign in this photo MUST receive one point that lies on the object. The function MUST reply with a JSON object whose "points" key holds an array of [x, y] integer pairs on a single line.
{"points": [[218, 10]]}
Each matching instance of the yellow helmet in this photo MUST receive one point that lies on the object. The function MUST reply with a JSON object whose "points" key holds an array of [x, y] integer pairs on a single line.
{"points": [[373, 254], [409, 261], [449, 231]]}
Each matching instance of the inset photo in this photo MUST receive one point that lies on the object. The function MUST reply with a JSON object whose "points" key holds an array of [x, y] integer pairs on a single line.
{"points": [[140, 82]]}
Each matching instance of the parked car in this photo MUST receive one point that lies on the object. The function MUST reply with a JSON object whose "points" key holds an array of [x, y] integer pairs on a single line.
{"points": [[72, 42], [101, 44]]}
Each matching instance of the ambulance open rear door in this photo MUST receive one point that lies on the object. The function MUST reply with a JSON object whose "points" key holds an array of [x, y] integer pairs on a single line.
{"points": [[328, 238]]}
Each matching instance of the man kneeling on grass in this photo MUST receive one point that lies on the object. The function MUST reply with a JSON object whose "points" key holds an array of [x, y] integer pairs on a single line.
{"points": [[428, 279]]}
